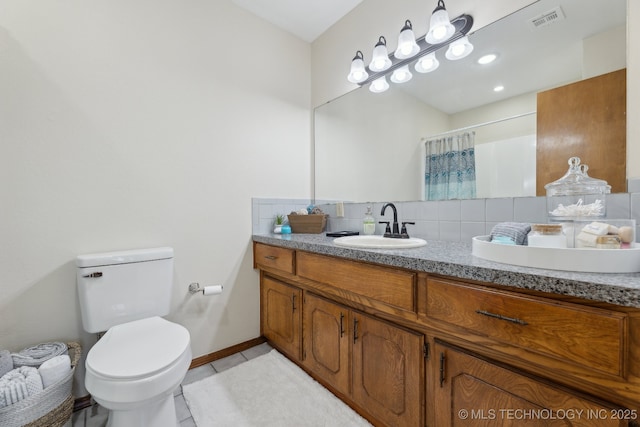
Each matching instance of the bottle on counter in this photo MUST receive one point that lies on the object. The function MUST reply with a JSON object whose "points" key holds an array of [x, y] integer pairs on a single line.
{"points": [[369, 223]]}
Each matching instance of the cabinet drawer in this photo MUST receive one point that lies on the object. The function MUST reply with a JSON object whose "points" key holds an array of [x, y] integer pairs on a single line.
{"points": [[590, 337], [389, 286], [274, 257]]}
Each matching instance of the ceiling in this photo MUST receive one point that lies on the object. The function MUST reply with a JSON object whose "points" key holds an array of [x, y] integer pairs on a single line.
{"points": [[306, 19]]}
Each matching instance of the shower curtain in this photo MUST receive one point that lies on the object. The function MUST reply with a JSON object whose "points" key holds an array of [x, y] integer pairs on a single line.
{"points": [[450, 171]]}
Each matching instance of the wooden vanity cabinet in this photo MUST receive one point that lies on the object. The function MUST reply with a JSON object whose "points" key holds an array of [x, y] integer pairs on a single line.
{"points": [[412, 349], [281, 315], [472, 391], [378, 365]]}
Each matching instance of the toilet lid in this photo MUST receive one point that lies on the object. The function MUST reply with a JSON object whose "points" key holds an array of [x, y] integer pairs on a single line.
{"points": [[138, 349]]}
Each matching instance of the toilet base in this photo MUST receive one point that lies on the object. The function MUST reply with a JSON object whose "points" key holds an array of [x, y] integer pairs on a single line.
{"points": [[161, 413]]}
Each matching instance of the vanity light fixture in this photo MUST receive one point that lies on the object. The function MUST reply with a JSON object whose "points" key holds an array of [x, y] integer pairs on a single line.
{"points": [[498, 88], [410, 49], [459, 49], [440, 28], [380, 60], [401, 75], [427, 63], [357, 74], [379, 85], [407, 46]]}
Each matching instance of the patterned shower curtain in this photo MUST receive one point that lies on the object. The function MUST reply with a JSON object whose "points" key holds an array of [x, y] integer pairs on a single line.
{"points": [[450, 171]]}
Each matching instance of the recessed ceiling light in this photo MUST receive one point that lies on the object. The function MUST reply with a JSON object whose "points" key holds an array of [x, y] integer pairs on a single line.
{"points": [[487, 59], [498, 88]]}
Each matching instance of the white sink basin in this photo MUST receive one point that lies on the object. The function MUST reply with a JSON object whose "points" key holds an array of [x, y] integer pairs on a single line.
{"points": [[379, 242]]}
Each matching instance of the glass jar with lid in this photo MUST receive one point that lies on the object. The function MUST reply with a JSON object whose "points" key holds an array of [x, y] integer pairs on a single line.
{"points": [[576, 195]]}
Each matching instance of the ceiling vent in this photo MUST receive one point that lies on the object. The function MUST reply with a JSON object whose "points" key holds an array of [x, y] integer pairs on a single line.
{"points": [[547, 18]]}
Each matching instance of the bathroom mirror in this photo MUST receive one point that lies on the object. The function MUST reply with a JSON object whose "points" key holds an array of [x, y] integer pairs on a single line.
{"points": [[370, 147]]}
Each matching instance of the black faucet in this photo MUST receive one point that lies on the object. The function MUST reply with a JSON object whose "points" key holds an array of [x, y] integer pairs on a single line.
{"points": [[396, 233], [396, 229]]}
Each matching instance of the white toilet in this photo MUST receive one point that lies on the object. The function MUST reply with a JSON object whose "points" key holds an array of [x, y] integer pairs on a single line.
{"points": [[137, 364]]}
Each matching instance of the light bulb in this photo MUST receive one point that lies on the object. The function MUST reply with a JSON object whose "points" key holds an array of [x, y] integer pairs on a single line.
{"points": [[379, 85], [401, 75], [427, 63]]}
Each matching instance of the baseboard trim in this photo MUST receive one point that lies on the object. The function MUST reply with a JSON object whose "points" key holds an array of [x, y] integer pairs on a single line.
{"points": [[85, 401], [211, 357]]}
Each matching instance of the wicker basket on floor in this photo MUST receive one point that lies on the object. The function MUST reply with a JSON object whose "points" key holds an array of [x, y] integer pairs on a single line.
{"points": [[52, 407]]}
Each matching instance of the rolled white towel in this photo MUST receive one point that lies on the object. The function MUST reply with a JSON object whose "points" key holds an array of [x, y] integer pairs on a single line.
{"points": [[38, 354], [6, 362], [54, 369], [19, 384]]}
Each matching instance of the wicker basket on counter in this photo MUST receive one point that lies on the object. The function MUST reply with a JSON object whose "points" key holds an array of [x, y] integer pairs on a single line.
{"points": [[52, 407], [312, 224]]}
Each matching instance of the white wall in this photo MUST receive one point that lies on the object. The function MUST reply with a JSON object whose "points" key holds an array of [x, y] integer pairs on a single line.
{"points": [[131, 124]]}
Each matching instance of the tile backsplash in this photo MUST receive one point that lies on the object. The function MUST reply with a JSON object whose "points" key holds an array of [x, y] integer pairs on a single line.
{"points": [[451, 220]]}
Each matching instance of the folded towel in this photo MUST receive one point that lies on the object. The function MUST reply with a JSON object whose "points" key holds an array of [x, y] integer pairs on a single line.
{"points": [[6, 362], [515, 230], [54, 369], [19, 384], [503, 240], [36, 355]]}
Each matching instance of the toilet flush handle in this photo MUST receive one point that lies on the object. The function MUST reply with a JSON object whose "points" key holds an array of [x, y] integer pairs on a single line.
{"points": [[95, 274]]}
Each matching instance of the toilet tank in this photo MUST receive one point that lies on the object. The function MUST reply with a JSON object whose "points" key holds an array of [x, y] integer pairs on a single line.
{"points": [[119, 287]]}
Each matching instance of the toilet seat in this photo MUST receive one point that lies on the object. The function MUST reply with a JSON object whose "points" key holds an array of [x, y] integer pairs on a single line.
{"points": [[138, 349], [137, 362]]}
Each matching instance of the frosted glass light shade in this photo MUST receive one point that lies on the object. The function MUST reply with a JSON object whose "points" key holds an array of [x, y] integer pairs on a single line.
{"points": [[379, 85], [401, 75], [380, 60], [357, 74], [407, 46], [440, 27], [427, 63], [459, 49]]}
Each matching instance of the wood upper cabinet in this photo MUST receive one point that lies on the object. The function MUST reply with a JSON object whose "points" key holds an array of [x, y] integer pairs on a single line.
{"points": [[474, 392], [378, 365], [586, 119], [281, 315]]}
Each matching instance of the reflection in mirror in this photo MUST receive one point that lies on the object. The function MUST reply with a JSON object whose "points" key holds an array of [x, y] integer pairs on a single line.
{"points": [[370, 147]]}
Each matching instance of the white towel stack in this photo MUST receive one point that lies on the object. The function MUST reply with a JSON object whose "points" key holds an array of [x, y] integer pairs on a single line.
{"points": [[6, 362], [54, 369], [37, 355], [19, 384]]}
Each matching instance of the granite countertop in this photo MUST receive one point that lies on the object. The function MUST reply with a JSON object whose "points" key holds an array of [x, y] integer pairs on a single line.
{"points": [[454, 259]]}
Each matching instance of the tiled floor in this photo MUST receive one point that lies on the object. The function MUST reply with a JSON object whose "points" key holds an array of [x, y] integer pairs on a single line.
{"points": [[97, 417]]}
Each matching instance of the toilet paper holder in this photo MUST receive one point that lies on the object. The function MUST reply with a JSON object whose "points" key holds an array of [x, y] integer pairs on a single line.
{"points": [[195, 288]]}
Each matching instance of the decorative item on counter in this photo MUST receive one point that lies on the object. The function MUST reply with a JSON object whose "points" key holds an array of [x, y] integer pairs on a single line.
{"points": [[516, 231], [576, 195], [369, 223], [612, 234], [303, 221], [547, 236], [286, 229], [279, 222]]}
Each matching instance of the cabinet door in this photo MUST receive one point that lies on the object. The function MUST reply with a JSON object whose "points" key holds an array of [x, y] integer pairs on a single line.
{"points": [[388, 371], [475, 392], [281, 316], [326, 341]]}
